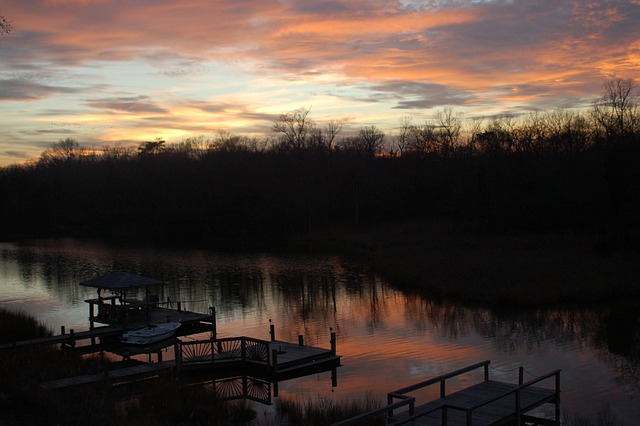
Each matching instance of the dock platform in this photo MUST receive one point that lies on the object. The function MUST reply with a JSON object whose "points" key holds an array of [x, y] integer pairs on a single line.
{"points": [[487, 403]]}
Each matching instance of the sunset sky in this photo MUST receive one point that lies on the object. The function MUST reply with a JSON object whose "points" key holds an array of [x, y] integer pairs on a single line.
{"points": [[108, 72]]}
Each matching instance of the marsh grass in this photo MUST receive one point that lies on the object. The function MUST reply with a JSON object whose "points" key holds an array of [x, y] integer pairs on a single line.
{"points": [[18, 326], [604, 417], [322, 411], [170, 401]]}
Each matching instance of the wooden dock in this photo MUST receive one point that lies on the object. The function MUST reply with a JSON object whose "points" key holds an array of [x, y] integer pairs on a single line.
{"points": [[487, 403], [271, 360]]}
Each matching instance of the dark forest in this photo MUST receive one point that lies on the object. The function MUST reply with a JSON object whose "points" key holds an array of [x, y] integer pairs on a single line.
{"points": [[560, 171]]}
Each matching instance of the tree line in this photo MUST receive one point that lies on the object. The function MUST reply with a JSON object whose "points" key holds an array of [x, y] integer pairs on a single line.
{"points": [[554, 171]]}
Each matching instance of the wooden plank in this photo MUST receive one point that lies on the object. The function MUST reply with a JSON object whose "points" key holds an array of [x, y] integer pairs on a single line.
{"points": [[114, 375], [289, 354], [64, 338]]}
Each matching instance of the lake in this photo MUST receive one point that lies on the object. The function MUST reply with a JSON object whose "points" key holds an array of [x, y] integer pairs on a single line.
{"points": [[387, 339]]}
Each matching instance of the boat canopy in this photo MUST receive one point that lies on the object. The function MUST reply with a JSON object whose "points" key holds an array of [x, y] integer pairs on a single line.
{"points": [[121, 281]]}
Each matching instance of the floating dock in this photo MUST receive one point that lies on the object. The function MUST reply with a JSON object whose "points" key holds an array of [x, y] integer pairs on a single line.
{"points": [[487, 403]]}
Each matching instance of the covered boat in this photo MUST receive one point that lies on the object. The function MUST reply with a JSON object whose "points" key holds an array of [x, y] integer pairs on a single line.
{"points": [[150, 333]]}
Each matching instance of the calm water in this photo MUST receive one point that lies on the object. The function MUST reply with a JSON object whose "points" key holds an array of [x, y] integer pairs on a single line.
{"points": [[387, 339]]}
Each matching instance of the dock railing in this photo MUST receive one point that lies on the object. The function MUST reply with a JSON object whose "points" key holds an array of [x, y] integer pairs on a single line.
{"points": [[404, 399], [441, 380], [241, 349], [517, 391]]}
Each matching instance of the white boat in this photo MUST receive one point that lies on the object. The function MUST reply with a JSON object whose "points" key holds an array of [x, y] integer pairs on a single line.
{"points": [[150, 333]]}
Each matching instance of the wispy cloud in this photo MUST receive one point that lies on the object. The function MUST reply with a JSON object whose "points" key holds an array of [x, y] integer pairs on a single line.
{"points": [[22, 89], [128, 104]]}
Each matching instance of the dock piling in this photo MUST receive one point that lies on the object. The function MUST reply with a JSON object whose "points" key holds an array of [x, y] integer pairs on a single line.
{"points": [[333, 342], [521, 375], [214, 331]]}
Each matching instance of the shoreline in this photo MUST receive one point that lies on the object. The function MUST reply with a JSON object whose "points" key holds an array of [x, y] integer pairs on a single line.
{"points": [[452, 262]]}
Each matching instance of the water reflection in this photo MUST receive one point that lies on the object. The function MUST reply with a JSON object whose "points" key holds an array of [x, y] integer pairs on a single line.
{"points": [[387, 339]]}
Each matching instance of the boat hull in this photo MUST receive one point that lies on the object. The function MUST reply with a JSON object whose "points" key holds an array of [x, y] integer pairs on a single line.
{"points": [[151, 333]]}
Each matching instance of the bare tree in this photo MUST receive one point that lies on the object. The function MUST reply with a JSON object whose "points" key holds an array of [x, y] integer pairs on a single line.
{"points": [[475, 128], [331, 131], [295, 128], [61, 151], [566, 130], [371, 140], [403, 138], [450, 123], [424, 139], [532, 133], [616, 112], [5, 26]]}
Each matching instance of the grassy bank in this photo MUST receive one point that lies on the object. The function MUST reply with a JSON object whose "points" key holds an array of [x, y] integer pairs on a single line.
{"points": [[451, 261]]}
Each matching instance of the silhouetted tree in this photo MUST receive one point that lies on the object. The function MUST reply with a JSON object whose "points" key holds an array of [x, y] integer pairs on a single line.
{"points": [[475, 128], [61, 151], [450, 124], [331, 131], [424, 139], [402, 139], [5, 26], [295, 128], [616, 111], [151, 147], [371, 140]]}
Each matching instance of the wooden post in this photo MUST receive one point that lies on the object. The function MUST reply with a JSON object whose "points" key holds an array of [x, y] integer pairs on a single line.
{"points": [[300, 340], [62, 330], [333, 342], [274, 358], [177, 348], [245, 387], [272, 331], [518, 413], [521, 375], [214, 331], [91, 313], [334, 377], [73, 340], [557, 396], [179, 306]]}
